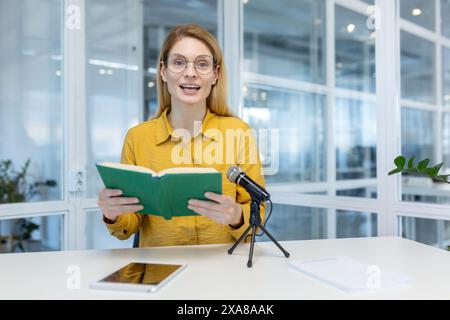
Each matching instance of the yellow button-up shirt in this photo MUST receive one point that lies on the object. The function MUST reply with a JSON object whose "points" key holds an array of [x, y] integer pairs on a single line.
{"points": [[222, 142]]}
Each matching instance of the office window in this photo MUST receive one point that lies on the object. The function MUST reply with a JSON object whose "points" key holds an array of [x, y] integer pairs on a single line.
{"points": [[286, 42], [428, 231], [121, 55], [285, 39], [300, 119], [355, 51], [31, 93], [420, 12], [418, 135], [418, 69], [355, 131], [446, 77], [445, 12], [446, 139], [113, 80], [281, 92], [97, 236], [369, 190], [418, 139], [32, 234], [424, 118], [353, 224], [296, 223], [355, 127], [290, 222], [355, 139]]}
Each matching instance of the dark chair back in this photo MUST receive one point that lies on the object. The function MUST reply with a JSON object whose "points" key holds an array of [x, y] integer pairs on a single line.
{"points": [[136, 240]]}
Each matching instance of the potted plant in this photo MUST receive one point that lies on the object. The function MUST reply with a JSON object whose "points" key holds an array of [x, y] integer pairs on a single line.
{"points": [[21, 234], [16, 187], [422, 169]]}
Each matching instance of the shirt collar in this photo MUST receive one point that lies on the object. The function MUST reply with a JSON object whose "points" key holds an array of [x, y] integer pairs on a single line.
{"points": [[165, 130]]}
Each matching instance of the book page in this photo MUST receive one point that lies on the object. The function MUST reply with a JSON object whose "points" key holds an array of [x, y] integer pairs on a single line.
{"points": [[186, 170], [349, 274], [127, 167]]}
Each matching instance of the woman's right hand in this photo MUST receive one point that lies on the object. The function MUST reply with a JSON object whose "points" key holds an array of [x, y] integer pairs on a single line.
{"points": [[114, 206]]}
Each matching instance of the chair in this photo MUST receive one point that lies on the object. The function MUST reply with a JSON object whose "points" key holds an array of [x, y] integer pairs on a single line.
{"points": [[136, 239]]}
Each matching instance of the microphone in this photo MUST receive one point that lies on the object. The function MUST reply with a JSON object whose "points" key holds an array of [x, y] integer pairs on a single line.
{"points": [[238, 176]]}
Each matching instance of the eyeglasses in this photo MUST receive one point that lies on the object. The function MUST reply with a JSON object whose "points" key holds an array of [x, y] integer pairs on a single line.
{"points": [[178, 63]]}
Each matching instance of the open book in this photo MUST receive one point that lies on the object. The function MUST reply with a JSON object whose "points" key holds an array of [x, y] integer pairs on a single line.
{"points": [[165, 193]]}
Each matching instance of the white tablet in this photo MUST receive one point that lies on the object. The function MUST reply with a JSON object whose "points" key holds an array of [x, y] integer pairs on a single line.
{"points": [[139, 277]]}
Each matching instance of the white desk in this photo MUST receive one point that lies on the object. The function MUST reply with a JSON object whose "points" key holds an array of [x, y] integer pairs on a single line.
{"points": [[213, 274]]}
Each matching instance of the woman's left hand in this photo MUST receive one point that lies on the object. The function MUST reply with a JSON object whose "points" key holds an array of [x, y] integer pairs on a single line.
{"points": [[223, 209]]}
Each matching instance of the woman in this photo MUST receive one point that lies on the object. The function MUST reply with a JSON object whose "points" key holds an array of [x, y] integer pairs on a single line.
{"points": [[191, 91]]}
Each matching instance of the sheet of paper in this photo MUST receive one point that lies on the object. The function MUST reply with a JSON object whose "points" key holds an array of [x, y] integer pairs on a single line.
{"points": [[349, 274]]}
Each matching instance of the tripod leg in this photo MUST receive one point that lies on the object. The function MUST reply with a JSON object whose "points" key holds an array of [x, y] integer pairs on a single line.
{"points": [[250, 256], [230, 251], [286, 254]]}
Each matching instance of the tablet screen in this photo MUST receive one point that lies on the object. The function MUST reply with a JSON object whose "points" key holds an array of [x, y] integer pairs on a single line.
{"points": [[142, 273]]}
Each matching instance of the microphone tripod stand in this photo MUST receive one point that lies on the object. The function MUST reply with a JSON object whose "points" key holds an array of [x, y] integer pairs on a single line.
{"points": [[255, 222]]}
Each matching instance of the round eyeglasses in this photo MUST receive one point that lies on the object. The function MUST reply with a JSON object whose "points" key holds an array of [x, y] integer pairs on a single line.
{"points": [[178, 63]]}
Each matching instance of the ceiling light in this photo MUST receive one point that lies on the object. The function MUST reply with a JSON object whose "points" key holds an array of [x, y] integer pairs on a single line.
{"points": [[351, 27], [416, 12], [263, 96], [114, 65], [27, 52]]}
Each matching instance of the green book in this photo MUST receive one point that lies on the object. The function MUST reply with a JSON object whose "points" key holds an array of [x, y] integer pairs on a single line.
{"points": [[165, 193]]}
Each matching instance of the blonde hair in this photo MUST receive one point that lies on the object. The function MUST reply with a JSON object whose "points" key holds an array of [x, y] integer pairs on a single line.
{"points": [[217, 99]]}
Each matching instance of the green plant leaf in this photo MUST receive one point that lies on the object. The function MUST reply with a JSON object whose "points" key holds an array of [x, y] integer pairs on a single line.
{"points": [[411, 162], [438, 167], [400, 162], [432, 172], [423, 164], [395, 171], [413, 170]]}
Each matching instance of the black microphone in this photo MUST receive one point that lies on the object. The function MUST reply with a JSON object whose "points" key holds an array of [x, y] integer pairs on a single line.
{"points": [[238, 176]]}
